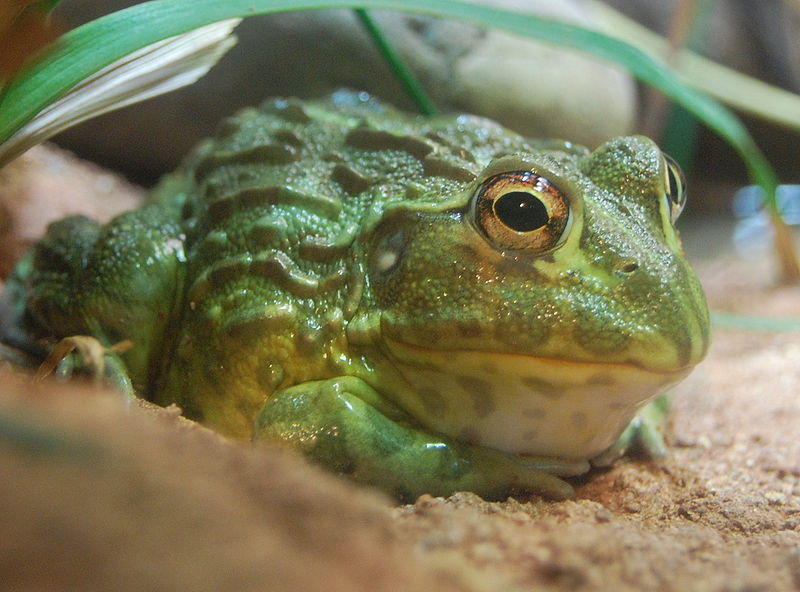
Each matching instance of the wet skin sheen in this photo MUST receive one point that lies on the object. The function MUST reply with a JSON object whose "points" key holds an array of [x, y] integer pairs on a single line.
{"points": [[426, 304]]}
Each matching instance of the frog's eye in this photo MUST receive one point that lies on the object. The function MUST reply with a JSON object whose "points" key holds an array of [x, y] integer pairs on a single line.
{"points": [[522, 210], [675, 188]]}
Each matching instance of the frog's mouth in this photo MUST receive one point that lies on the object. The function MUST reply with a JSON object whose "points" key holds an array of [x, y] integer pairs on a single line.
{"points": [[523, 403]]}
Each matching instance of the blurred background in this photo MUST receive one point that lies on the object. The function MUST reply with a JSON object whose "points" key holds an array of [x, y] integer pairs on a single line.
{"points": [[559, 94]]}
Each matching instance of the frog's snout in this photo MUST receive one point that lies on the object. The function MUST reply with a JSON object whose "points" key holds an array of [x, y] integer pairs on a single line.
{"points": [[673, 321]]}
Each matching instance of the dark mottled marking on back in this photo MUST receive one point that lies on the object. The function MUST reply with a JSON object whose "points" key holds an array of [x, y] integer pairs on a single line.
{"points": [[440, 167], [214, 240], [351, 180], [290, 137], [333, 157], [224, 271], [326, 249], [262, 154], [278, 266], [267, 231], [440, 138], [372, 139], [249, 197], [273, 264], [455, 149], [231, 125], [251, 325], [291, 110], [465, 154]]}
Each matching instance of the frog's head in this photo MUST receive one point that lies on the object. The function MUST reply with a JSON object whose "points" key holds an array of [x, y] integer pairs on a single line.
{"points": [[537, 310]]}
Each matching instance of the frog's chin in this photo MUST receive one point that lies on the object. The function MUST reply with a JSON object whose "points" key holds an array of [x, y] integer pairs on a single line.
{"points": [[521, 403]]}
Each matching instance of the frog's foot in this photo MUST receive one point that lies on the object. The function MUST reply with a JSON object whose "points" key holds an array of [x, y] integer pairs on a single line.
{"points": [[344, 423], [645, 432], [101, 362]]}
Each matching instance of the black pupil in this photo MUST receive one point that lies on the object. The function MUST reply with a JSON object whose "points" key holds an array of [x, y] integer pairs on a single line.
{"points": [[521, 211]]}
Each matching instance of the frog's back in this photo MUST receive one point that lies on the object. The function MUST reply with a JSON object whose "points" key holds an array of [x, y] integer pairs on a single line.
{"points": [[275, 271]]}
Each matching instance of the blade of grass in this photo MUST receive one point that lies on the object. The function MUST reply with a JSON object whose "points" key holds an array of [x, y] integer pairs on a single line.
{"points": [[743, 93], [413, 88], [153, 70], [85, 50]]}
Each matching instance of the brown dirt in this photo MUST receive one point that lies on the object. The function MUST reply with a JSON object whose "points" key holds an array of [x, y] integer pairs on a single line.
{"points": [[98, 495]]}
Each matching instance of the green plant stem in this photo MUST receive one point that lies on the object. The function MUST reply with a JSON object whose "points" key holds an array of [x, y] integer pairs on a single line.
{"points": [[407, 78]]}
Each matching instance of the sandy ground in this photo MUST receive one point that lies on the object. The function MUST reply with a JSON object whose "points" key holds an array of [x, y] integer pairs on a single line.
{"points": [[99, 494]]}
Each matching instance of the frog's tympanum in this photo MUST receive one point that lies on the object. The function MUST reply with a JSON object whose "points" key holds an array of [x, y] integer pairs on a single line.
{"points": [[426, 304]]}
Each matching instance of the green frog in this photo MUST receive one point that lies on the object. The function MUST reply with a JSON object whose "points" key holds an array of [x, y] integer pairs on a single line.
{"points": [[425, 304]]}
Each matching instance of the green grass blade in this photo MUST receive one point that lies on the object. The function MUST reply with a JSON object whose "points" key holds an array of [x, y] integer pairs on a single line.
{"points": [[744, 93], [413, 88], [85, 50]]}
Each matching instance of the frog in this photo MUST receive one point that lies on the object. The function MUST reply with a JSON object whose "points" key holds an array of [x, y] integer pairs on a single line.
{"points": [[423, 304]]}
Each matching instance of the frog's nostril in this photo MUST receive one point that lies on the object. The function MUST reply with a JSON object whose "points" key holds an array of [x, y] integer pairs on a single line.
{"points": [[628, 266]]}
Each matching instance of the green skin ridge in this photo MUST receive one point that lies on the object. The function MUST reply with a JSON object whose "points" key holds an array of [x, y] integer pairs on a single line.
{"points": [[329, 274]]}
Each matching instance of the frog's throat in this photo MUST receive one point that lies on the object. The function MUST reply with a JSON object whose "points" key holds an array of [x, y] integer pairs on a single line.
{"points": [[521, 403]]}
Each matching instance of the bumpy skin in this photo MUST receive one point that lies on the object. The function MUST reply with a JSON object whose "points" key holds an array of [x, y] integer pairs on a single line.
{"points": [[329, 271]]}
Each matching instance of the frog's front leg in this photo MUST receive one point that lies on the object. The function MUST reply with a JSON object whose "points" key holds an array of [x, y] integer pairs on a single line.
{"points": [[345, 424], [645, 433]]}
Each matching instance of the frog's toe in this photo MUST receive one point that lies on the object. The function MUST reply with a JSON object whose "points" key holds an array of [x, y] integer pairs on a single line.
{"points": [[619, 448], [542, 475], [495, 475], [545, 484], [645, 433], [563, 467]]}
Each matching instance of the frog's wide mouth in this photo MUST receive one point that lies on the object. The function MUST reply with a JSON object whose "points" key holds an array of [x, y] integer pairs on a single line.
{"points": [[523, 403], [407, 352]]}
